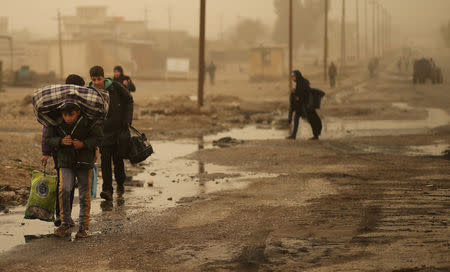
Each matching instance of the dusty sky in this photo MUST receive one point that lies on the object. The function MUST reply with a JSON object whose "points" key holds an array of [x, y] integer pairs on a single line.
{"points": [[412, 17]]}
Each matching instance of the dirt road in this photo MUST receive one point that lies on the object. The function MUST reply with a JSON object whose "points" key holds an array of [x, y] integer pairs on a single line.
{"points": [[367, 197]]}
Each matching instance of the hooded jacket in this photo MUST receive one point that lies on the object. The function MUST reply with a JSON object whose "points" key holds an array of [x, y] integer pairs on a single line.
{"points": [[120, 112], [299, 100], [83, 130], [131, 87]]}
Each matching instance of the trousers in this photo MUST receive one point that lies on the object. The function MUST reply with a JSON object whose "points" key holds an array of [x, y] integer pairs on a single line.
{"points": [[66, 183]]}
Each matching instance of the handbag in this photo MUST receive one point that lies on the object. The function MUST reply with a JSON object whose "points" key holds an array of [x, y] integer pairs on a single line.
{"points": [[139, 148]]}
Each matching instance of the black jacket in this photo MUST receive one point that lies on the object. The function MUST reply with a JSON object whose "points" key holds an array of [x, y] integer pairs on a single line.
{"points": [[131, 87], [120, 112], [123, 77], [299, 100], [83, 130]]}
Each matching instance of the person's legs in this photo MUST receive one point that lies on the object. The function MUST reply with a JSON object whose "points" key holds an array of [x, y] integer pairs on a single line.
{"points": [[119, 170], [84, 190], [106, 157], [57, 211], [66, 181], [296, 123]]}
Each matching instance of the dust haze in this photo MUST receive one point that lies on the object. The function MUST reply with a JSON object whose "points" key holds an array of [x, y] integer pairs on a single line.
{"points": [[327, 150]]}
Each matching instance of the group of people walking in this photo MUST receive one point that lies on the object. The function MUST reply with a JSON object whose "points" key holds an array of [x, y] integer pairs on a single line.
{"points": [[74, 146]]}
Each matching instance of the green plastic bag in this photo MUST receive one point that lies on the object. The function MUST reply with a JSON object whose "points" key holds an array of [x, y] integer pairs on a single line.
{"points": [[42, 201]]}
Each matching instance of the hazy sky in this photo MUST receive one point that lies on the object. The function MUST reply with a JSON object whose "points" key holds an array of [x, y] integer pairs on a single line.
{"points": [[411, 16]]}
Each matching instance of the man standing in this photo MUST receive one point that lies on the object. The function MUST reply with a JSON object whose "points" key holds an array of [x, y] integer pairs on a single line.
{"points": [[119, 118], [332, 73], [212, 72], [123, 79]]}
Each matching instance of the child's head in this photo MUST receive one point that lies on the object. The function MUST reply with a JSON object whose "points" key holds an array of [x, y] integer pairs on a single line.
{"points": [[118, 71], [75, 80], [98, 77], [70, 113]]}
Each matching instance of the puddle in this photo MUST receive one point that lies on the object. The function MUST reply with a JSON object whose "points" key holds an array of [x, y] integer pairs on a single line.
{"points": [[338, 128], [164, 179], [167, 178], [437, 149]]}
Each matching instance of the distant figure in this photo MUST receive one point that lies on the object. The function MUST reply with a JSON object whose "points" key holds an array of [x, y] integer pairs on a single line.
{"points": [[123, 79], [332, 73], [373, 64], [211, 69], [406, 64], [300, 101], [399, 65]]}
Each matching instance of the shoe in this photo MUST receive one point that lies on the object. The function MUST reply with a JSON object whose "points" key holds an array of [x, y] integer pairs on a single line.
{"points": [[290, 137], [82, 232], [57, 222], [63, 230], [106, 195], [315, 138]]}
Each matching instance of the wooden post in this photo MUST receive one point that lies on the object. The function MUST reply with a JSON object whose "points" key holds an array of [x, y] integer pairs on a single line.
{"points": [[343, 51], [201, 54], [325, 44], [291, 41], [358, 53], [1, 75], [366, 42], [373, 29], [61, 63]]}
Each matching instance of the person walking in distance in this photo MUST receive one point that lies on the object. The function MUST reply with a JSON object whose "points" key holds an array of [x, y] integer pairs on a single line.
{"points": [[332, 73], [301, 103]]}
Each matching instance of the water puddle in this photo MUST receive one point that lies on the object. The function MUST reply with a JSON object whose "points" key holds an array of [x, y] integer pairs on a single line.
{"points": [[435, 150], [163, 181], [167, 178]]}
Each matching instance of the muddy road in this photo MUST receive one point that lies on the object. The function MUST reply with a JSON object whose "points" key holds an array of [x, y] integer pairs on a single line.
{"points": [[372, 195]]}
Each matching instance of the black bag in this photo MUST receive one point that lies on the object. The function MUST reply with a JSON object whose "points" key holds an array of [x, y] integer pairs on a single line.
{"points": [[316, 96], [139, 148]]}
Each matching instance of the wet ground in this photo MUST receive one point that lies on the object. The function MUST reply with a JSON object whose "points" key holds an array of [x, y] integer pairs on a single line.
{"points": [[372, 195], [168, 178]]}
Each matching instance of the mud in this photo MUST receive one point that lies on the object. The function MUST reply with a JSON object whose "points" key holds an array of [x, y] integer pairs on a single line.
{"points": [[372, 195]]}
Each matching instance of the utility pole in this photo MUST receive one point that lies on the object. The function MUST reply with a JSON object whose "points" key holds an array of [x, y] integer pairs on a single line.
{"points": [[291, 25], [169, 19], [325, 44], [343, 51], [378, 30], [201, 54], [373, 29], [61, 63], [366, 45], [358, 53]]}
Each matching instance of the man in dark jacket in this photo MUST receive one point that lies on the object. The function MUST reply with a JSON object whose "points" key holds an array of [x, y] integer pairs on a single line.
{"points": [[119, 118], [300, 101], [123, 79], [332, 73]]}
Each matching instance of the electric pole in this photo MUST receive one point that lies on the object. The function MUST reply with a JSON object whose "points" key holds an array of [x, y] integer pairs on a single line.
{"points": [[291, 25], [343, 51], [373, 29], [325, 44], [201, 54], [357, 30], [366, 45], [61, 63]]}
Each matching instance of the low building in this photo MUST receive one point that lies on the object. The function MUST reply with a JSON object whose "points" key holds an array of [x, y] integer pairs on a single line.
{"points": [[267, 63]]}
